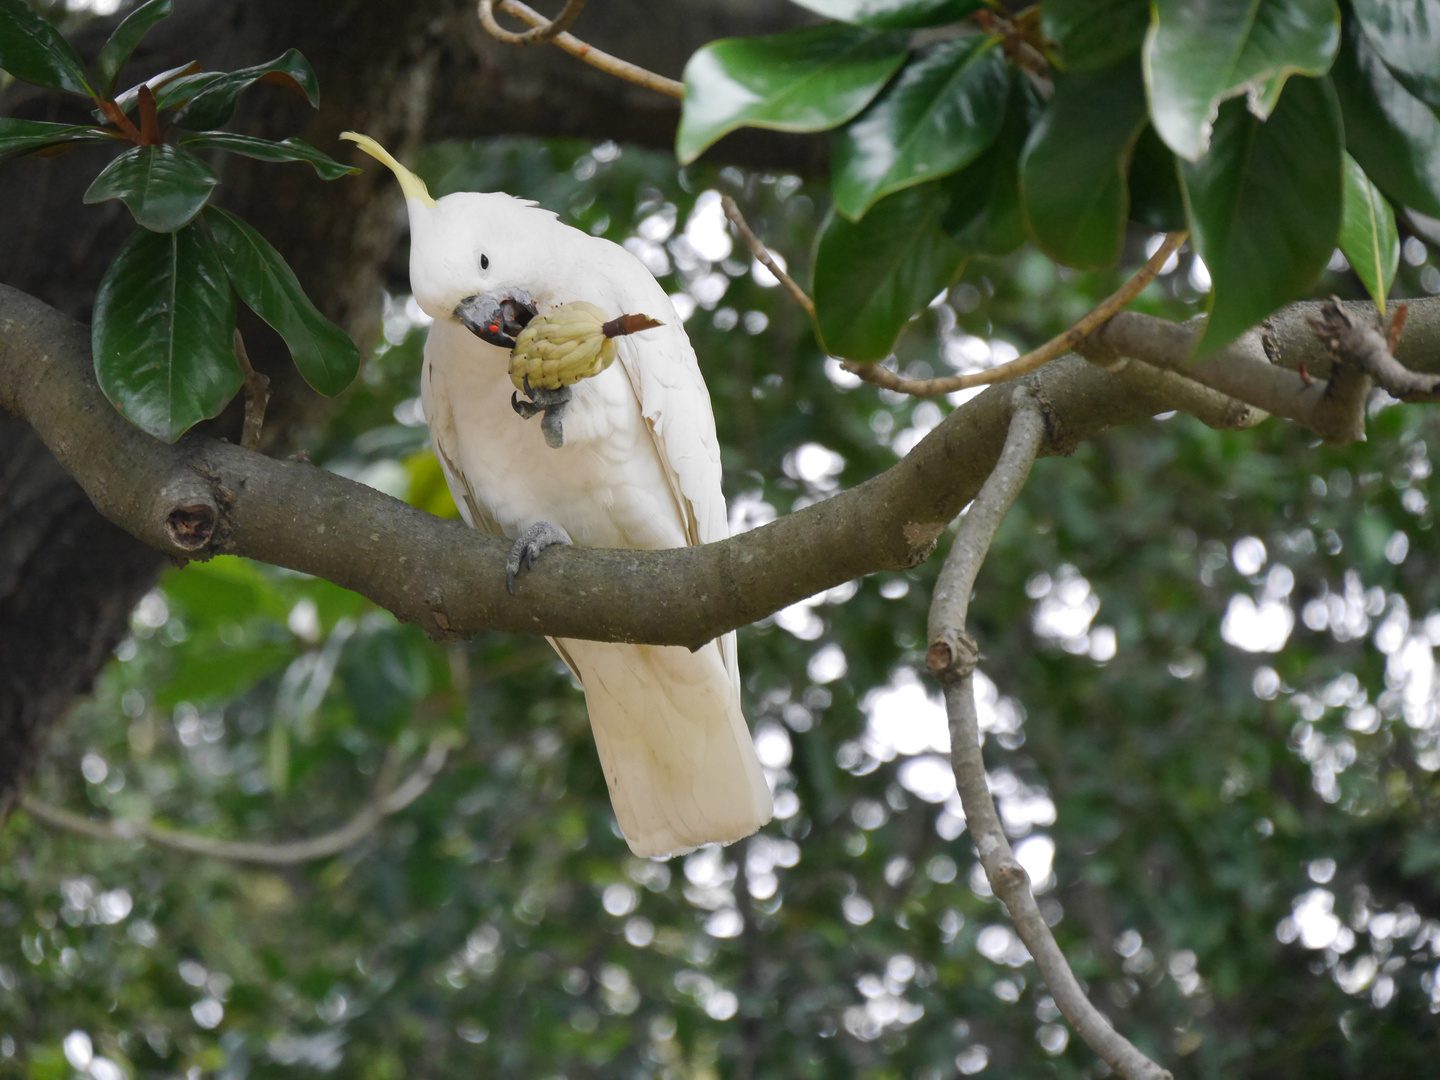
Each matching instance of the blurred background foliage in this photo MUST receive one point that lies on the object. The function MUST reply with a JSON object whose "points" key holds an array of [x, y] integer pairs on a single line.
{"points": [[1209, 695]]}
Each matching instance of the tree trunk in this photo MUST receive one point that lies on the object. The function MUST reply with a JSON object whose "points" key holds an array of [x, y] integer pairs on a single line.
{"points": [[406, 73]]}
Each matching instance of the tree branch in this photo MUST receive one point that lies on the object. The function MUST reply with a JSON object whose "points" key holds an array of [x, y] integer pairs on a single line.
{"points": [[951, 657], [387, 800], [203, 497], [762, 253], [257, 396], [544, 29], [1056, 346]]}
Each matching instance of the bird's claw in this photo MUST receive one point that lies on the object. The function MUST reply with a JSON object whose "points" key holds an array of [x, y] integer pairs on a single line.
{"points": [[550, 402], [527, 549]]}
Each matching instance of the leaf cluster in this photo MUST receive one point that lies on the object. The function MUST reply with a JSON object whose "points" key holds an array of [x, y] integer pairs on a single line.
{"points": [[1273, 131], [165, 313]]}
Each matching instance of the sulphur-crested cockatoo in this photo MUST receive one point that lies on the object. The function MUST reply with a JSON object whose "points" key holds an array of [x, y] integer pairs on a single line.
{"points": [[638, 467]]}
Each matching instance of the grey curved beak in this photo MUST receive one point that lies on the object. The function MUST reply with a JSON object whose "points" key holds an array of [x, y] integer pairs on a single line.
{"points": [[496, 317]]}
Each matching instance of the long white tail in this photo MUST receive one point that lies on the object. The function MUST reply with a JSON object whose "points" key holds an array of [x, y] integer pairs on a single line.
{"points": [[674, 745]]}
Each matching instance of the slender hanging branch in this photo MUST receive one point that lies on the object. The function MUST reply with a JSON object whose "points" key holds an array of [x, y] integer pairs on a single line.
{"points": [[554, 32], [1056, 346], [257, 396], [389, 799], [951, 658], [762, 253]]}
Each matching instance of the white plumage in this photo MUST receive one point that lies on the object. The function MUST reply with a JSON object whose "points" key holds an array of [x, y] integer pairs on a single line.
{"points": [[639, 468]]}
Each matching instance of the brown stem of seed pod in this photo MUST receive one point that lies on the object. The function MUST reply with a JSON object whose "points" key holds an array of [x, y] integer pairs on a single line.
{"points": [[629, 324]]}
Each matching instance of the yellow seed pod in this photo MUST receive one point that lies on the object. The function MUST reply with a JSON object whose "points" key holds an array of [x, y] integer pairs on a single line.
{"points": [[561, 347], [572, 342]]}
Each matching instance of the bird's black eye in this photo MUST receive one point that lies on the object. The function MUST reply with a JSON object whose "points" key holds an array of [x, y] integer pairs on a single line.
{"points": [[484, 262]]}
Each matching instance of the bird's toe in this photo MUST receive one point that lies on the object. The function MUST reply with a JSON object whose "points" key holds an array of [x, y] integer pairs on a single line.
{"points": [[534, 540]]}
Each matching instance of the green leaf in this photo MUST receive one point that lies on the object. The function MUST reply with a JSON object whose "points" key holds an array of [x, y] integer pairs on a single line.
{"points": [[207, 99], [1367, 233], [291, 149], [131, 97], [1155, 198], [322, 351], [127, 35], [34, 51], [26, 136], [162, 332], [1092, 34], [1406, 34], [1392, 134], [1265, 205], [871, 276], [1201, 52], [1073, 172], [939, 115], [983, 213], [893, 14], [806, 80], [163, 186]]}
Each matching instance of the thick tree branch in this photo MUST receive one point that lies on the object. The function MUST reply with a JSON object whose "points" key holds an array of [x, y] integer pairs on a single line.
{"points": [[202, 497], [951, 657], [389, 798]]}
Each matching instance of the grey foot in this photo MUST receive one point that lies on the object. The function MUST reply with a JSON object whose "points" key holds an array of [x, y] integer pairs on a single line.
{"points": [[527, 549], [550, 402]]}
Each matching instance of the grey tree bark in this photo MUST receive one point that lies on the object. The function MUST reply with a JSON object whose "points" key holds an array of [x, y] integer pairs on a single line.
{"points": [[406, 71]]}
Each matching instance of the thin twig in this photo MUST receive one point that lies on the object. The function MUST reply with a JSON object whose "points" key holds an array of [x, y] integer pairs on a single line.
{"points": [[1366, 345], [535, 34], [951, 657], [611, 65], [1056, 346], [762, 253], [388, 800], [257, 397]]}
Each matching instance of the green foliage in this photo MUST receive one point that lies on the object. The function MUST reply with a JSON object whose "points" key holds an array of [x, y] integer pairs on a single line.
{"points": [[127, 35], [163, 186], [1265, 228], [1199, 54], [324, 353], [162, 332], [893, 14], [291, 149], [941, 113], [1367, 233], [1073, 168], [806, 80], [1090, 34], [34, 51], [983, 215], [1406, 35], [137, 334], [907, 259]]}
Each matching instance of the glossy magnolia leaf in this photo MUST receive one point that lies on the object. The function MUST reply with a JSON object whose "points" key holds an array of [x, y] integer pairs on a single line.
{"points": [[126, 36], [163, 186], [1392, 134], [1072, 174], [131, 97], [806, 80], [939, 115], [34, 51], [207, 99], [1367, 233], [26, 136], [982, 212], [1201, 52], [871, 276], [893, 14], [162, 332], [1090, 34], [1406, 34], [291, 149], [1154, 178], [322, 351], [1265, 205]]}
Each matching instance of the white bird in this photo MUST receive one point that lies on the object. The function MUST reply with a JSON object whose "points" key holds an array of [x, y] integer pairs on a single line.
{"points": [[639, 468]]}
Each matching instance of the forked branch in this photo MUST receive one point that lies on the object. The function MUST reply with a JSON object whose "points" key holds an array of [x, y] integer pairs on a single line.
{"points": [[951, 658], [555, 31]]}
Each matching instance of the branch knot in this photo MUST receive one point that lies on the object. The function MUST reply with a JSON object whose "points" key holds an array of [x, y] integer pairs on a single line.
{"points": [[952, 656]]}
